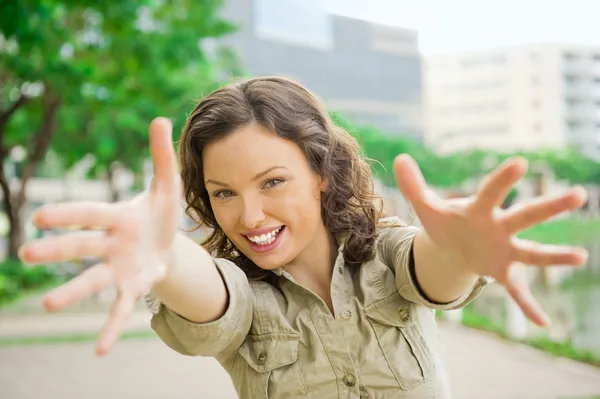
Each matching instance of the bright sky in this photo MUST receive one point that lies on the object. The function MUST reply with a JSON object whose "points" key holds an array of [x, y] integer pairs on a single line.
{"points": [[458, 25]]}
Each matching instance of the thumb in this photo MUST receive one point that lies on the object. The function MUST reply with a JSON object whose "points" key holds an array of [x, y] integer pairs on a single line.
{"points": [[410, 180], [164, 159]]}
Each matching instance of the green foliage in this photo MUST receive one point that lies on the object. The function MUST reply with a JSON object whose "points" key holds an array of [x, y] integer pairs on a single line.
{"points": [[113, 66], [9, 289], [451, 170], [440, 171], [86, 77], [565, 349], [474, 319], [566, 231], [16, 278]]}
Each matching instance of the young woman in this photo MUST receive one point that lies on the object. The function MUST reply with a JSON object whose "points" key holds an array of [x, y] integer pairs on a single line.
{"points": [[301, 290]]}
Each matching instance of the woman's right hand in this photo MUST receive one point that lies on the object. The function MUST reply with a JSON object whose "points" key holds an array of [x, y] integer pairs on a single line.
{"points": [[134, 240]]}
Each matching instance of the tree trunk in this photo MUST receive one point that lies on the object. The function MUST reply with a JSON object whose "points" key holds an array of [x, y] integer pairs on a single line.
{"points": [[15, 228], [115, 194], [15, 202], [16, 236]]}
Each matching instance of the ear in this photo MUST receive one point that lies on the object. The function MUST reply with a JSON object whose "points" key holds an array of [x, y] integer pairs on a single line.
{"points": [[324, 183]]}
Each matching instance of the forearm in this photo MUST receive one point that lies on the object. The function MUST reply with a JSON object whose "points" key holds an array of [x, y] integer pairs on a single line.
{"points": [[442, 276], [193, 287]]}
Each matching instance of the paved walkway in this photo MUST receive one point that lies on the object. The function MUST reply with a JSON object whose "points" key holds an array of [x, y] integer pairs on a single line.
{"points": [[481, 366]]}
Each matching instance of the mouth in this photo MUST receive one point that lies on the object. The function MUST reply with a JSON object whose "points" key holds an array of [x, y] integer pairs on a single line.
{"points": [[265, 242]]}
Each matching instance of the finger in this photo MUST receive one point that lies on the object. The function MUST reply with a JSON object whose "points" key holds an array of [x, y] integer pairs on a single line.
{"points": [[497, 185], [77, 214], [77, 245], [411, 182], [540, 209], [533, 253], [163, 153], [89, 282], [119, 315], [522, 295]]}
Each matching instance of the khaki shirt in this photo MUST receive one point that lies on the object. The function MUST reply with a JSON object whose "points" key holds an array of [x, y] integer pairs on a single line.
{"points": [[380, 342]]}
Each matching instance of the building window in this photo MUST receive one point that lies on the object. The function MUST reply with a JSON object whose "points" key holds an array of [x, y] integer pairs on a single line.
{"points": [[301, 22], [476, 61], [573, 125], [393, 40], [570, 57], [491, 130], [571, 79]]}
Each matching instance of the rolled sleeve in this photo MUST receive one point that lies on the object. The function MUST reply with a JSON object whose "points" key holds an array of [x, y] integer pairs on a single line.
{"points": [[397, 247], [220, 338]]}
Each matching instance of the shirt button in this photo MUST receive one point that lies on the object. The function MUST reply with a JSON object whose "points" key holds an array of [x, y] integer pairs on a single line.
{"points": [[262, 358], [404, 314], [349, 380], [346, 314]]}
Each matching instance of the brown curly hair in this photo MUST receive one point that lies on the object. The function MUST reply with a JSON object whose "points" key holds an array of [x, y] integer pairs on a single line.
{"points": [[349, 206]]}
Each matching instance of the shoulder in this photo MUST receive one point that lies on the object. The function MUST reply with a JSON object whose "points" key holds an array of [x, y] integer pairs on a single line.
{"points": [[391, 222], [393, 228]]}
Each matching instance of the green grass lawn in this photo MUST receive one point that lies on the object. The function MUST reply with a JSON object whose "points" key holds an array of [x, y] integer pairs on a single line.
{"points": [[473, 319], [569, 231], [70, 338]]}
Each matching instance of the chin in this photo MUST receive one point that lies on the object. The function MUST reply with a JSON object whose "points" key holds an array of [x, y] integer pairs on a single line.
{"points": [[268, 264]]}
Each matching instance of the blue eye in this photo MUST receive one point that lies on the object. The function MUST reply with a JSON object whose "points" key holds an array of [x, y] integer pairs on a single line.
{"points": [[271, 183]]}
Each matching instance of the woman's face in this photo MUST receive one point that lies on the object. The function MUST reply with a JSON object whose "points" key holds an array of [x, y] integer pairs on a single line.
{"points": [[264, 195]]}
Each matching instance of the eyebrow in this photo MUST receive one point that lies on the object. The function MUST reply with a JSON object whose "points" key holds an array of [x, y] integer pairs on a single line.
{"points": [[258, 176]]}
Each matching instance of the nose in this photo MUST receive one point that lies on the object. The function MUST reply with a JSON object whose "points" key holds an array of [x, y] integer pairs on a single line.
{"points": [[252, 213]]}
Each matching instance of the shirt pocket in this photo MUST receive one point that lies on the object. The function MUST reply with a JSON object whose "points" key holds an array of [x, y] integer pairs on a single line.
{"points": [[401, 340], [274, 369]]}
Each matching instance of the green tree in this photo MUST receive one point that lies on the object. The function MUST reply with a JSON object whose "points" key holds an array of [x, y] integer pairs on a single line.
{"points": [[87, 77], [439, 170]]}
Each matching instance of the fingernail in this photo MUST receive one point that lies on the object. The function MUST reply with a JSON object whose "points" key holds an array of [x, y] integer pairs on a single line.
{"points": [[546, 322], [580, 190], [163, 120], [23, 253], [100, 351], [50, 303]]}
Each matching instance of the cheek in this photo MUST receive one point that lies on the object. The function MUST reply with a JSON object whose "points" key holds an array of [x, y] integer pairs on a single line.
{"points": [[225, 217], [303, 210]]}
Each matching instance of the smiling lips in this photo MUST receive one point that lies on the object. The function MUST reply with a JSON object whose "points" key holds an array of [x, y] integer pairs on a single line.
{"points": [[265, 238]]}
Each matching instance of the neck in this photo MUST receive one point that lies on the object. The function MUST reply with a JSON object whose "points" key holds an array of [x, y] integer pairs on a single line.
{"points": [[313, 267]]}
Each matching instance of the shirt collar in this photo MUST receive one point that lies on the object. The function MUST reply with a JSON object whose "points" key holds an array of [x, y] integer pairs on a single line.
{"points": [[341, 241]]}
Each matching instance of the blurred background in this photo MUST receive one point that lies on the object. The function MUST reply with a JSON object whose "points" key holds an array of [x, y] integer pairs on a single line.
{"points": [[459, 85]]}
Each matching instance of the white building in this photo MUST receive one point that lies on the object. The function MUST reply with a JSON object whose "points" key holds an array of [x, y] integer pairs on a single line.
{"points": [[525, 98]]}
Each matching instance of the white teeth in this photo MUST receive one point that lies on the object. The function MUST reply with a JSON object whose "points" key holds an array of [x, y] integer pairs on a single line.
{"points": [[265, 239]]}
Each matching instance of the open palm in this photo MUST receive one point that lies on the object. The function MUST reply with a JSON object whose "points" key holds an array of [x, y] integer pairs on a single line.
{"points": [[133, 243], [483, 235]]}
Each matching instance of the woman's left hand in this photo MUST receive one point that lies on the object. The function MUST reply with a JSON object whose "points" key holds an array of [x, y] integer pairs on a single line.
{"points": [[483, 236]]}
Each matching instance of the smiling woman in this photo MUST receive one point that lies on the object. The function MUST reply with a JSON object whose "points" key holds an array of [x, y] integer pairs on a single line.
{"points": [[262, 198], [267, 163], [301, 290]]}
